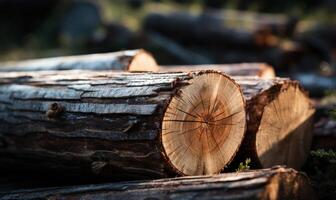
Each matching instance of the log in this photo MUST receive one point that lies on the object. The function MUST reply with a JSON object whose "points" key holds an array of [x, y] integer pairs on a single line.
{"points": [[261, 70], [187, 28], [272, 24], [137, 125], [137, 60], [279, 122], [130, 60], [276, 183]]}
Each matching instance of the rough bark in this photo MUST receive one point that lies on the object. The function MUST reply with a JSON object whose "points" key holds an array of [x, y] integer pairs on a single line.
{"points": [[108, 123], [129, 60], [279, 122], [276, 183], [244, 69]]}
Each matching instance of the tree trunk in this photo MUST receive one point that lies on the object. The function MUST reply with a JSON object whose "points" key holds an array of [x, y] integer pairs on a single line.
{"points": [[245, 69], [280, 122], [120, 124], [276, 183], [130, 60]]}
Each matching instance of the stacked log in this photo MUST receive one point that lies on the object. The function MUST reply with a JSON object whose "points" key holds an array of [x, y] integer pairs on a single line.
{"points": [[276, 183], [150, 124], [269, 115], [261, 70], [130, 60]]}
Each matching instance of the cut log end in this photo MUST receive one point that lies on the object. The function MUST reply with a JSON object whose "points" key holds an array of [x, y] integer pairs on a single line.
{"points": [[289, 116], [203, 126], [143, 61], [266, 71]]}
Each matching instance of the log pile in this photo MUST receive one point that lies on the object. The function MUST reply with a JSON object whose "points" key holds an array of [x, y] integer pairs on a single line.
{"points": [[150, 124], [275, 183], [268, 113], [89, 118]]}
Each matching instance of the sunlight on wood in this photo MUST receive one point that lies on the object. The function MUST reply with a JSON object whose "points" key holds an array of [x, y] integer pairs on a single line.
{"points": [[143, 61], [204, 125], [289, 117]]}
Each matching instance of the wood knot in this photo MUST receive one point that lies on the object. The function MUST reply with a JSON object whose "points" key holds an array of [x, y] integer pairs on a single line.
{"points": [[54, 110]]}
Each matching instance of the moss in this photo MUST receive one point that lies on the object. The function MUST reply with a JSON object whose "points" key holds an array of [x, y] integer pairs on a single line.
{"points": [[244, 165]]}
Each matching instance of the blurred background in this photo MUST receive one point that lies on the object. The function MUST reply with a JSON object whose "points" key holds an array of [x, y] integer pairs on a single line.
{"points": [[297, 37]]}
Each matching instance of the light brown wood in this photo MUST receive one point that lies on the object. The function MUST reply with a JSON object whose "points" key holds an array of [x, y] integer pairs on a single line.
{"points": [[267, 184], [120, 124], [280, 126], [129, 60], [290, 117], [203, 126], [261, 70]]}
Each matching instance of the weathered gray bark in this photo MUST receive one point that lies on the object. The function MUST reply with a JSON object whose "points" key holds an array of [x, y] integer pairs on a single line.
{"points": [[275, 183], [244, 69], [86, 122], [123, 60]]}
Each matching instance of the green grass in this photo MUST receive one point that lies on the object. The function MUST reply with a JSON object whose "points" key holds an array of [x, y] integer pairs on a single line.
{"points": [[244, 165]]}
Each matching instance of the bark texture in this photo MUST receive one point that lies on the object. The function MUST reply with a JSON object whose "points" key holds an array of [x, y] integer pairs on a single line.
{"points": [[267, 184], [129, 60]]}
